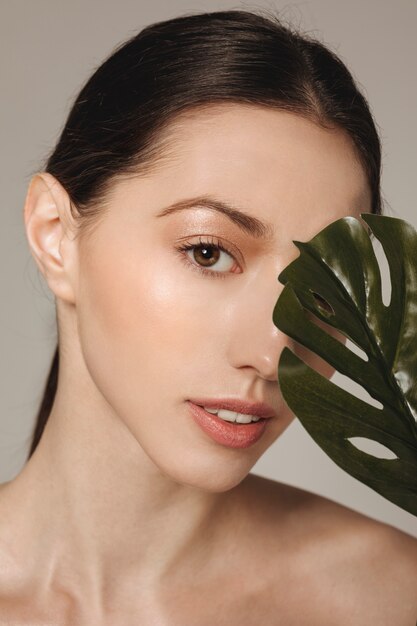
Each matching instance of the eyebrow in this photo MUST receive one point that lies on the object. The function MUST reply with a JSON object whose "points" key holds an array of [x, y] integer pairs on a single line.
{"points": [[247, 223]]}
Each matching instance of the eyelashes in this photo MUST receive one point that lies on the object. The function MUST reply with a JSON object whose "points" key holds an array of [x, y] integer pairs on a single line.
{"points": [[204, 244]]}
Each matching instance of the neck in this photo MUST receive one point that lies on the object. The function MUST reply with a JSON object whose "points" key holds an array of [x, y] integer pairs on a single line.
{"points": [[92, 511]]}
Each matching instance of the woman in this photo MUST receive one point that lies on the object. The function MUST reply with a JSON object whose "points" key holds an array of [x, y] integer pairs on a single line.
{"points": [[189, 162]]}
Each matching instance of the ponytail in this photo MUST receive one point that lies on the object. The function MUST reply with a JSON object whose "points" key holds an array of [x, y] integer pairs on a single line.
{"points": [[47, 402]]}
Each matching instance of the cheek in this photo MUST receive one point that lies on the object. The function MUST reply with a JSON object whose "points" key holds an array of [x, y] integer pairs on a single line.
{"points": [[144, 322], [131, 322]]}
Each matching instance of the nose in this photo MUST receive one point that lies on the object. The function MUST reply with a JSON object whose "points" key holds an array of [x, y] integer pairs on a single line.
{"points": [[255, 341]]}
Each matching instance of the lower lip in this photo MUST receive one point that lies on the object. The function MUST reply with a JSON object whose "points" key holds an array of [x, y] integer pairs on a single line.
{"points": [[228, 434]]}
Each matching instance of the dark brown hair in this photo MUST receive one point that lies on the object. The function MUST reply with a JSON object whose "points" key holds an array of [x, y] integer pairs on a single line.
{"points": [[115, 125]]}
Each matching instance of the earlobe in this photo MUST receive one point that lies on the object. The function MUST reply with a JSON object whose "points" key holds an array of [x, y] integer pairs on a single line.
{"points": [[47, 219]]}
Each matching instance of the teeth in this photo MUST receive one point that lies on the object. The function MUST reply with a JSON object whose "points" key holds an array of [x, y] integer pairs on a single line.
{"points": [[232, 416]]}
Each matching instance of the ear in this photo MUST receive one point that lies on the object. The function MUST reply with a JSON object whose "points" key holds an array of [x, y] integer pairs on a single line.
{"points": [[50, 230]]}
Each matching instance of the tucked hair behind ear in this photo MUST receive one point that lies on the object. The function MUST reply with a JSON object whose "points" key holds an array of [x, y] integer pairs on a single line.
{"points": [[116, 125]]}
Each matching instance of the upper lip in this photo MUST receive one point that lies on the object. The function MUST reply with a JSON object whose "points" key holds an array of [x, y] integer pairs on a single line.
{"points": [[260, 409]]}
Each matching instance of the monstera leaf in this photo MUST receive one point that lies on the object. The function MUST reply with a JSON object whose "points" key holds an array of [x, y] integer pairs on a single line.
{"points": [[336, 277]]}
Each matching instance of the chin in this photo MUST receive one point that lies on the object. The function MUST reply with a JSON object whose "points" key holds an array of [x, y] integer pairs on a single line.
{"points": [[213, 476]]}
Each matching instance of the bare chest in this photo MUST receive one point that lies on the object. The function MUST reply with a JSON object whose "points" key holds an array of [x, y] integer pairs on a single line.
{"points": [[243, 598]]}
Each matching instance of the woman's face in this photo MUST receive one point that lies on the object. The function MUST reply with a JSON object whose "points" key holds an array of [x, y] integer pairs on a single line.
{"points": [[155, 331]]}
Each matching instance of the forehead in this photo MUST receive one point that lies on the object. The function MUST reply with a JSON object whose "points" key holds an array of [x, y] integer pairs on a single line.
{"points": [[279, 165], [285, 170]]}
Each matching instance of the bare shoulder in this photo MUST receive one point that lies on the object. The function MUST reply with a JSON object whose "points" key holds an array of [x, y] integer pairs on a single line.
{"points": [[363, 571], [378, 567]]}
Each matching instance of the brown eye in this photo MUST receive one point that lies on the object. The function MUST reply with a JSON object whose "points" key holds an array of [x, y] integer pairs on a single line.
{"points": [[207, 255]]}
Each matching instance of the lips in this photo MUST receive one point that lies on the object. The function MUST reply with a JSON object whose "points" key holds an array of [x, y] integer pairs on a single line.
{"points": [[229, 434], [260, 409]]}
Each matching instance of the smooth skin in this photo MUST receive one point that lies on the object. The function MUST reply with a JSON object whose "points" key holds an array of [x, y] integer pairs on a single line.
{"points": [[128, 513]]}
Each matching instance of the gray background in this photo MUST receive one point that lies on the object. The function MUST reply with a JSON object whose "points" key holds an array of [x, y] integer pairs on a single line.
{"points": [[47, 49]]}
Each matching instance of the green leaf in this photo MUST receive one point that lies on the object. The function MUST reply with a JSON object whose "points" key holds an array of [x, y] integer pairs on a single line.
{"points": [[336, 277]]}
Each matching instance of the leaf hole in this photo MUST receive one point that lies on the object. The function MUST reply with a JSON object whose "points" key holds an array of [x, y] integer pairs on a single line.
{"points": [[347, 384], [373, 448], [324, 307], [336, 334], [386, 286], [358, 351]]}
